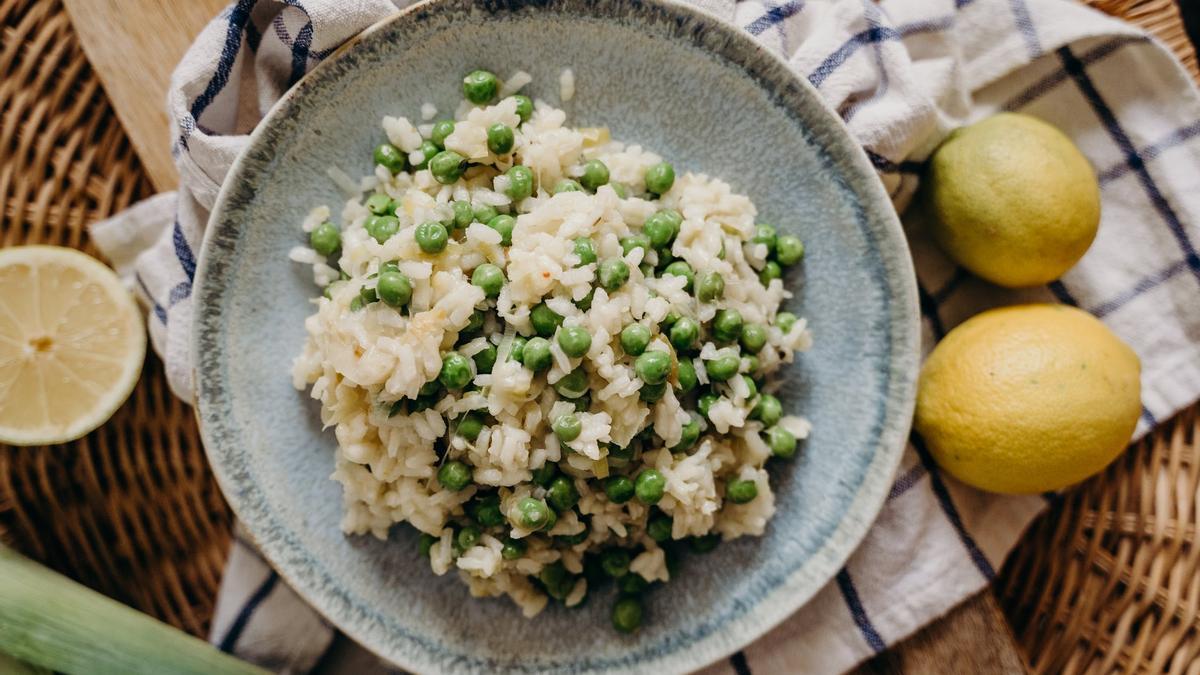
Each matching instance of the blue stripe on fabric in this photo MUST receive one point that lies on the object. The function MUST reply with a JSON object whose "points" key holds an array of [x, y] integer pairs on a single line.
{"points": [[238, 18], [1078, 72], [854, 603], [885, 165], [158, 309], [183, 252], [1060, 291], [907, 480], [930, 26], [1149, 417], [239, 624], [1143, 285], [929, 307], [947, 503], [181, 290], [740, 666], [1049, 82], [253, 36], [774, 16], [300, 53], [833, 61], [1152, 151], [1025, 25]]}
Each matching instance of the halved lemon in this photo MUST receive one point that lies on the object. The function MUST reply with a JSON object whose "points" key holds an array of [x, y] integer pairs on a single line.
{"points": [[71, 344]]}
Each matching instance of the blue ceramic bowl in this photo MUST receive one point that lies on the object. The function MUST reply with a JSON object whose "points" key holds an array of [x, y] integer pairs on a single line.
{"points": [[707, 97]]}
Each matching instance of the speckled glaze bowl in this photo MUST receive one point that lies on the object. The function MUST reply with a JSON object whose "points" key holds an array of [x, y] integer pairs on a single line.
{"points": [[707, 97]]}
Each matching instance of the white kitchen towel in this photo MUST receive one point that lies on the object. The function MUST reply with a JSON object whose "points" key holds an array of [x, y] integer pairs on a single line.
{"points": [[902, 73]]}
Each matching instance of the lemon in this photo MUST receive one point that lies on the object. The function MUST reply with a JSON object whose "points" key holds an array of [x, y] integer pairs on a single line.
{"points": [[1028, 399], [1012, 200], [71, 344]]}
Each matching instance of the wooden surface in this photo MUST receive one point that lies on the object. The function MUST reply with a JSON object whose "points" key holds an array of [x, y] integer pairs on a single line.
{"points": [[973, 638], [133, 45]]}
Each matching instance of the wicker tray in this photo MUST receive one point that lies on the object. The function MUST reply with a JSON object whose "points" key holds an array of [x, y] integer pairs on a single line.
{"points": [[1108, 580]]}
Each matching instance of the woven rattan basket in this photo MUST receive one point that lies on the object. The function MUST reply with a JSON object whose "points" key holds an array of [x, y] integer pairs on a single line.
{"points": [[1108, 580]]}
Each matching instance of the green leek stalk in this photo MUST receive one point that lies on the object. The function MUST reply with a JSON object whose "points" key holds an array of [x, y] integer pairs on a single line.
{"points": [[50, 621]]}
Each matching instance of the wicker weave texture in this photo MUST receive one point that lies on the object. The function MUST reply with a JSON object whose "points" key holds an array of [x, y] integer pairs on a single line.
{"points": [[1107, 581]]}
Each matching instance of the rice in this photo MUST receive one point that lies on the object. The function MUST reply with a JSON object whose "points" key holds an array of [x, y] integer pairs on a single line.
{"points": [[694, 461]]}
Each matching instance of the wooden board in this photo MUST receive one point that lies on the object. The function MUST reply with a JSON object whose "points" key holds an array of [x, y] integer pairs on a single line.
{"points": [[133, 45]]}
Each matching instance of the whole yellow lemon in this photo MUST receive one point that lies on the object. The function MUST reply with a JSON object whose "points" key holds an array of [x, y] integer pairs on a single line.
{"points": [[1012, 200], [1028, 398]]}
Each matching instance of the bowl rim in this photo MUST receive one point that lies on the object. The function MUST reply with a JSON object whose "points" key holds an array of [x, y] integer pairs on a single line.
{"points": [[789, 595]]}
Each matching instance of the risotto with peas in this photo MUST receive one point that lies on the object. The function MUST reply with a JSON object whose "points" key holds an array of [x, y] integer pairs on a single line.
{"points": [[548, 352]]}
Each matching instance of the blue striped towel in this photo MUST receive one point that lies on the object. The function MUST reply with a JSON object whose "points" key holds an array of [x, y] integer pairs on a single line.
{"points": [[902, 73]]}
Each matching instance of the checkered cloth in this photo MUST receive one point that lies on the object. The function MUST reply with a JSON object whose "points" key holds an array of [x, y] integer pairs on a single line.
{"points": [[902, 73]]}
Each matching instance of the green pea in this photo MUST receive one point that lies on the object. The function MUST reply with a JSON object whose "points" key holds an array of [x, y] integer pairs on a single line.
{"points": [[575, 341], [684, 333], [572, 539], [485, 359], [512, 549], [428, 151], [651, 393], [500, 139], [784, 321], [524, 106], [381, 228], [425, 545], [619, 489], [619, 457], [486, 510], [380, 204], [710, 286], [615, 562], [751, 386], [533, 513], [432, 237], [430, 388], [768, 410], [583, 403], [675, 218], [567, 185], [722, 368], [456, 371], [567, 427], [635, 338], [659, 527], [469, 426], [685, 372], [517, 351], [660, 178], [484, 213], [727, 325], [621, 190], [632, 584], [545, 474], [557, 581], [634, 241], [653, 367], [754, 337], [670, 319], [394, 288], [503, 224], [454, 475], [750, 364], [464, 215], [325, 239], [705, 543], [585, 303], [613, 274], [368, 295], [475, 322], [741, 491], [572, 385], [650, 486], [595, 174], [562, 494], [688, 436], [479, 86], [660, 230], [782, 442], [764, 234], [536, 355], [468, 537], [770, 271], [441, 129], [585, 249], [489, 278], [789, 250], [520, 182], [627, 615], [390, 157], [447, 166], [706, 401], [680, 268], [545, 320]]}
